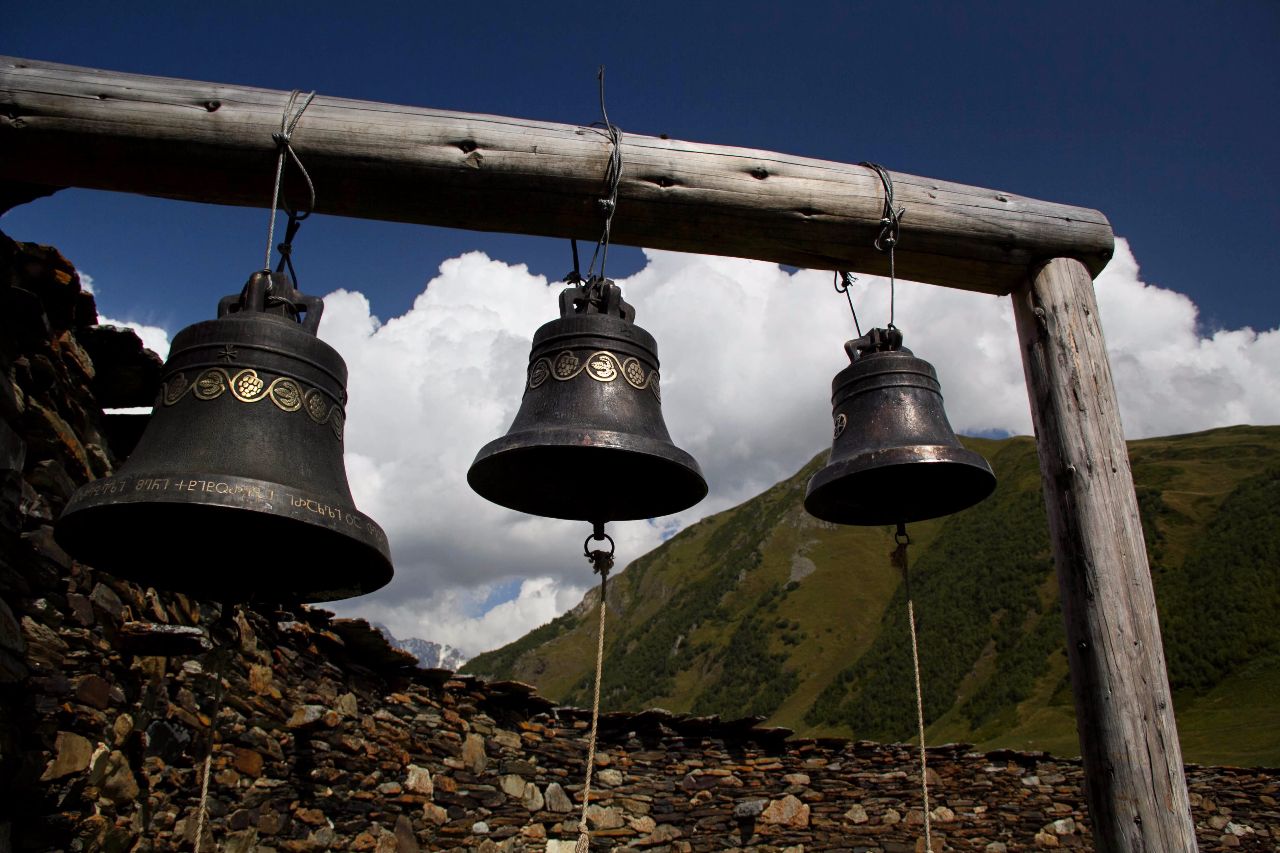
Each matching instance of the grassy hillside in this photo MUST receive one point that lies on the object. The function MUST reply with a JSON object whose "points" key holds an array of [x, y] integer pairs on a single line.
{"points": [[764, 610]]}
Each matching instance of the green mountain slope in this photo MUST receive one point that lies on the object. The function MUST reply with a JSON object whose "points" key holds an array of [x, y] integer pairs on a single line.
{"points": [[762, 610]]}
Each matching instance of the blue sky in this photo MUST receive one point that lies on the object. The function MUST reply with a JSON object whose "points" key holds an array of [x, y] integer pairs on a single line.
{"points": [[1159, 114]]}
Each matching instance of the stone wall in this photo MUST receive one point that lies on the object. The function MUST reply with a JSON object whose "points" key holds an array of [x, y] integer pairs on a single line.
{"points": [[325, 738]]}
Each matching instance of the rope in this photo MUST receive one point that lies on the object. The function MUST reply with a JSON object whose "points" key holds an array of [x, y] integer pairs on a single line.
{"points": [[900, 557], [603, 561], [288, 123], [204, 793], [924, 763], [218, 661]]}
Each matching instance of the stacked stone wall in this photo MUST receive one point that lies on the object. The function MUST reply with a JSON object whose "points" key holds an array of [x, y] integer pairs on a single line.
{"points": [[325, 738]]}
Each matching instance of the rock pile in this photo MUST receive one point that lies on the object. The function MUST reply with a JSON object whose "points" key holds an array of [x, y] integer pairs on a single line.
{"points": [[321, 736]]}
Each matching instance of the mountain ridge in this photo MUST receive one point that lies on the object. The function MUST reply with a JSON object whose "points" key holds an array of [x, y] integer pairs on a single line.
{"points": [[764, 610]]}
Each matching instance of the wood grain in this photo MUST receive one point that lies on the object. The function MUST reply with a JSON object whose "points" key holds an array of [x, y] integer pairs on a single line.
{"points": [[63, 125], [1128, 737]]}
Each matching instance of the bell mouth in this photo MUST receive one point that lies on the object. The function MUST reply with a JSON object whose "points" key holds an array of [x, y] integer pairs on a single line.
{"points": [[586, 475], [241, 539], [900, 484]]}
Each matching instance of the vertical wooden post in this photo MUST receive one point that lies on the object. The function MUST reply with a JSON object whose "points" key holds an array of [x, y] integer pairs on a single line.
{"points": [[1135, 785]]}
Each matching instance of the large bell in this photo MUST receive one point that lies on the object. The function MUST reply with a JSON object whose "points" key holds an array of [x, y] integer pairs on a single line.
{"points": [[589, 442], [237, 487], [895, 458]]}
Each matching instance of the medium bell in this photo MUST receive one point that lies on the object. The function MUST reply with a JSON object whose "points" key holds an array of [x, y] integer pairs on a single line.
{"points": [[895, 458], [237, 487], [589, 442]]}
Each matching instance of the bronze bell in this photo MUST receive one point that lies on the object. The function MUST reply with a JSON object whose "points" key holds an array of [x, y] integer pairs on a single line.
{"points": [[237, 487], [589, 442], [894, 458]]}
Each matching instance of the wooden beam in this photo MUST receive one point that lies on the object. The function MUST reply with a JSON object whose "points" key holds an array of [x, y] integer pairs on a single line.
{"points": [[1128, 738], [63, 125]]}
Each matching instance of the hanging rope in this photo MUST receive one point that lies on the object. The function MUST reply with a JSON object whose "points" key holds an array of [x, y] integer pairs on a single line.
{"points": [[612, 178], [288, 123], [602, 562], [204, 793], [890, 223], [218, 661], [900, 560]]}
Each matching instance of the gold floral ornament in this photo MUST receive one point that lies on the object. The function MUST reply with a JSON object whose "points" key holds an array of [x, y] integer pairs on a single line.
{"points": [[567, 365], [210, 385], [539, 373], [171, 391], [247, 386], [316, 408], [634, 372], [286, 394], [602, 366]]}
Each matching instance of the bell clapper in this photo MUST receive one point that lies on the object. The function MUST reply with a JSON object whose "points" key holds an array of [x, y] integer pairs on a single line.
{"points": [[601, 564], [899, 558]]}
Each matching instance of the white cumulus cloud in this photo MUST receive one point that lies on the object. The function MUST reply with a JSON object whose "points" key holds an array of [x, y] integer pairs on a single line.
{"points": [[1170, 378], [153, 338]]}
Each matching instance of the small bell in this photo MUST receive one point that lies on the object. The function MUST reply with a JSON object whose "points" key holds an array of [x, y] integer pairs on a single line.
{"points": [[894, 458], [237, 487], [589, 441]]}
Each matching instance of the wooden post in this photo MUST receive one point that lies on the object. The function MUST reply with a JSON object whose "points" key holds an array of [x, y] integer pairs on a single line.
{"points": [[1135, 785]]}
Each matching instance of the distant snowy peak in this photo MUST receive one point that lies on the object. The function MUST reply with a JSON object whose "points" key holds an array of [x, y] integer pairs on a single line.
{"points": [[434, 655], [430, 655]]}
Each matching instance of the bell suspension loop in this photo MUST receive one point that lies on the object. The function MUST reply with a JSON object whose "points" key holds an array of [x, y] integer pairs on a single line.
{"points": [[601, 564], [283, 139], [899, 559]]}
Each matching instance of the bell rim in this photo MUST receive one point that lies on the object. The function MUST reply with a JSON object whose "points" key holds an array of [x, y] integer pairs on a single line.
{"points": [[79, 531], [820, 502], [500, 452]]}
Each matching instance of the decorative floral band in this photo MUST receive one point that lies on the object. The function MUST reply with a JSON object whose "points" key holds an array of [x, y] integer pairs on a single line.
{"points": [[601, 365], [247, 387]]}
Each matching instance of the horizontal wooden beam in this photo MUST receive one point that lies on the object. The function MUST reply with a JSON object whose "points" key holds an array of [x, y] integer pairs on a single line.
{"points": [[66, 126]]}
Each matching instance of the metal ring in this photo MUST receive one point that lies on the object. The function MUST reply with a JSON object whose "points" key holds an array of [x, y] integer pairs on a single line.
{"points": [[586, 544]]}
